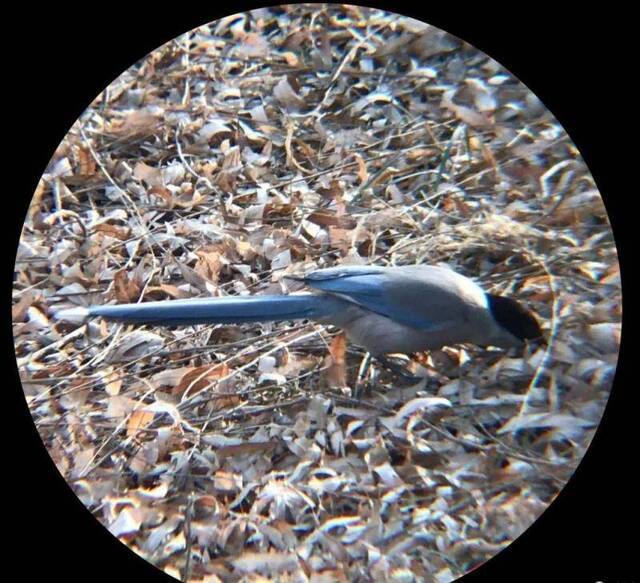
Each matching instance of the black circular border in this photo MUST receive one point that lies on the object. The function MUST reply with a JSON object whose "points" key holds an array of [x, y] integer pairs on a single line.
{"points": [[576, 63]]}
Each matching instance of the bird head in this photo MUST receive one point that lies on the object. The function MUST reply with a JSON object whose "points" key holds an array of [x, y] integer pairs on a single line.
{"points": [[514, 318]]}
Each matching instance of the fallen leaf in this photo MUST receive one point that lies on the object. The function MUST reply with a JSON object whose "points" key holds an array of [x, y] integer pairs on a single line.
{"points": [[335, 375], [126, 290], [138, 420]]}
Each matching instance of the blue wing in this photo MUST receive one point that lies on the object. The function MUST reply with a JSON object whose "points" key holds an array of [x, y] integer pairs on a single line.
{"points": [[387, 292]]}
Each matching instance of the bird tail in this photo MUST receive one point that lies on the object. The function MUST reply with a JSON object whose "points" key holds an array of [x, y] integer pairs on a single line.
{"points": [[224, 310]]}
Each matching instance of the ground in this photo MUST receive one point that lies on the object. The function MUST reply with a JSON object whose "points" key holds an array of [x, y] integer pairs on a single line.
{"points": [[271, 143]]}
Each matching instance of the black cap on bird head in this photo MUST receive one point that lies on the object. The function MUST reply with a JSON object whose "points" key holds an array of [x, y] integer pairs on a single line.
{"points": [[514, 318]]}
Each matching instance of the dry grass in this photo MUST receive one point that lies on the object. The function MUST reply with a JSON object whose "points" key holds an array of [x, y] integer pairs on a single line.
{"points": [[270, 143]]}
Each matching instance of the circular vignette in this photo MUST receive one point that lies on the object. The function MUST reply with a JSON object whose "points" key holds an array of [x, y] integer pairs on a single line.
{"points": [[397, 144]]}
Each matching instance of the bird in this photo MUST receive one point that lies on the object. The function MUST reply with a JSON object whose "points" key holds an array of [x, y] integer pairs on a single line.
{"points": [[384, 309]]}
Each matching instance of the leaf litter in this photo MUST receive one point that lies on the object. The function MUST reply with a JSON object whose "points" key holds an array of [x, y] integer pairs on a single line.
{"points": [[273, 142]]}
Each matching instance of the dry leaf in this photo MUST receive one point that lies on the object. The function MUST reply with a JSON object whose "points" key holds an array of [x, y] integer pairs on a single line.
{"points": [[152, 176], [285, 94], [126, 290], [137, 421], [335, 374], [120, 233], [138, 123]]}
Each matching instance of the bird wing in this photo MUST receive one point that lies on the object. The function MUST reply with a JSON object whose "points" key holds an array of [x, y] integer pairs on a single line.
{"points": [[421, 297]]}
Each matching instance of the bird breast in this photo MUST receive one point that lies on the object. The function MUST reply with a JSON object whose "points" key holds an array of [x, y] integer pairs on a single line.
{"points": [[381, 335]]}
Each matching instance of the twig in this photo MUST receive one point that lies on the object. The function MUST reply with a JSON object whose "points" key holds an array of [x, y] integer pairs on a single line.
{"points": [[146, 234], [555, 320]]}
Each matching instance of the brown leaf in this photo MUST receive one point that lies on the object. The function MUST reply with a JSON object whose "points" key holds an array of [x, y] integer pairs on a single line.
{"points": [[56, 370], [455, 204], [307, 151], [276, 209], [326, 218], [340, 238], [245, 250], [291, 58], [226, 482], [385, 176], [19, 310], [138, 420], [468, 115], [253, 45], [343, 239], [166, 289], [164, 193], [152, 176], [126, 290], [120, 233], [226, 181], [86, 162], [38, 195], [335, 190], [209, 263], [422, 154], [296, 39], [335, 374], [138, 123], [363, 174], [112, 380], [203, 377]]}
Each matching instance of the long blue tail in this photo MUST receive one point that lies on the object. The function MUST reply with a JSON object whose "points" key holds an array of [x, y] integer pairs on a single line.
{"points": [[224, 310]]}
